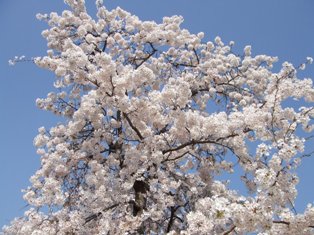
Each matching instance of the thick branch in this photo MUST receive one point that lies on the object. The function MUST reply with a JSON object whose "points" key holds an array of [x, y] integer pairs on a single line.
{"points": [[133, 127], [287, 223], [97, 215], [171, 220], [193, 142], [230, 230]]}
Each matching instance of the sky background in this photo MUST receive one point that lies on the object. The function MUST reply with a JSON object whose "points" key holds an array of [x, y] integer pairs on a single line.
{"points": [[283, 28]]}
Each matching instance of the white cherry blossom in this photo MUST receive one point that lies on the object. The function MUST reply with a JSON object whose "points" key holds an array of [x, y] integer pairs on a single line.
{"points": [[154, 116]]}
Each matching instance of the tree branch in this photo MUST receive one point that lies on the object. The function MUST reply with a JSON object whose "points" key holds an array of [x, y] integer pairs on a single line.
{"points": [[133, 127], [230, 230], [148, 56], [99, 214], [193, 142]]}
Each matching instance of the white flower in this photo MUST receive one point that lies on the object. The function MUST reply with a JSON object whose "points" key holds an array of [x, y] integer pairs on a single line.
{"points": [[247, 50], [81, 31], [265, 177], [309, 60], [200, 35], [60, 71], [302, 66]]}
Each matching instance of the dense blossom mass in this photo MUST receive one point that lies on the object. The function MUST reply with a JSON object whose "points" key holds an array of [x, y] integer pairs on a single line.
{"points": [[155, 118]]}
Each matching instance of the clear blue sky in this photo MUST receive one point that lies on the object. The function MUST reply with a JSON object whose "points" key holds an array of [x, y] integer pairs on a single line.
{"points": [[282, 28]]}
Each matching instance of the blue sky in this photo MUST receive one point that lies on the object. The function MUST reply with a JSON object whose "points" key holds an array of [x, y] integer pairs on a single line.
{"points": [[282, 28]]}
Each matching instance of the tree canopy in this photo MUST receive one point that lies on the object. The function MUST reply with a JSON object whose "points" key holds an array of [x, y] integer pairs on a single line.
{"points": [[154, 115]]}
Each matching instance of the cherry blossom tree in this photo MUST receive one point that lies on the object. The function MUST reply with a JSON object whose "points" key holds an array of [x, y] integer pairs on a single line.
{"points": [[154, 117]]}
